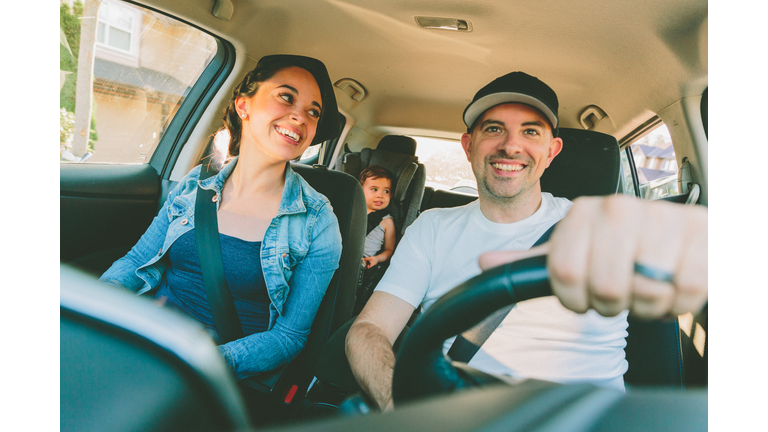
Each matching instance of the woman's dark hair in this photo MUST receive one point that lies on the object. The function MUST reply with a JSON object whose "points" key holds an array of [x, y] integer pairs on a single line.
{"points": [[268, 66], [377, 171]]}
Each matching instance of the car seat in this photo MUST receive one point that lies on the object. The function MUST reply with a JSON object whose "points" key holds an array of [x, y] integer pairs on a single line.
{"points": [[284, 388], [396, 153], [589, 165]]}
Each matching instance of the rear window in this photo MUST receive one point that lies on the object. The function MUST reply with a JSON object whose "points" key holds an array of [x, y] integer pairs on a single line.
{"points": [[143, 65], [446, 165]]}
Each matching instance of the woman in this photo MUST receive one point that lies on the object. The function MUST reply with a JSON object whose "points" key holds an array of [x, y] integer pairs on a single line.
{"points": [[280, 241]]}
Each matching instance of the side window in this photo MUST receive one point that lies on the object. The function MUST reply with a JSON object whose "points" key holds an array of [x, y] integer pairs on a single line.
{"points": [[446, 165], [655, 164], [143, 64], [321, 153], [311, 152]]}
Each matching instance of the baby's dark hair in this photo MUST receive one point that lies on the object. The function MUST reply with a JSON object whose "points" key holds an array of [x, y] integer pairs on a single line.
{"points": [[377, 171]]}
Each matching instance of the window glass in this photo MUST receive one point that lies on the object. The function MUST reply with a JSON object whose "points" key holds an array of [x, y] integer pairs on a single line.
{"points": [[656, 164], [115, 26], [446, 165], [144, 64], [310, 152]]}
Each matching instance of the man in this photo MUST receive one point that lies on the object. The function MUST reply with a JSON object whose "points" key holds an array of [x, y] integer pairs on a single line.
{"points": [[511, 139]]}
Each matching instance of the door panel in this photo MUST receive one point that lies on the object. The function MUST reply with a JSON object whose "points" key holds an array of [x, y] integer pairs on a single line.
{"points": [[104, 210]]}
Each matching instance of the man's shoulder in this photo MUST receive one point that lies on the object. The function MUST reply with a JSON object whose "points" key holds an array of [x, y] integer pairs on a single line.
{"points": [[435, 220], [557, 205]]}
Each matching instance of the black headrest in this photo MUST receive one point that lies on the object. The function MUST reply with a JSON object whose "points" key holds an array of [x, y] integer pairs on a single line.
{"points": [[398, 144], [588, 165]]}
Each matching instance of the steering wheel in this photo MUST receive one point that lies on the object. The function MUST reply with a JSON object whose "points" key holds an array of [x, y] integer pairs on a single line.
{"points": [[421, 368]]}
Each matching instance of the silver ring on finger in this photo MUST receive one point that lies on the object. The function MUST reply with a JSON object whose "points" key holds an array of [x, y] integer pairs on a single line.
{"points": [[654, 273]]}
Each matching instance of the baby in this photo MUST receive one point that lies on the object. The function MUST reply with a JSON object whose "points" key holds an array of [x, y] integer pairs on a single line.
{"points": [[380, 241]]}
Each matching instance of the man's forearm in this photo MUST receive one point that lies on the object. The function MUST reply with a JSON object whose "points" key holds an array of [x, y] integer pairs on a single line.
{"points": [[372, 361]]}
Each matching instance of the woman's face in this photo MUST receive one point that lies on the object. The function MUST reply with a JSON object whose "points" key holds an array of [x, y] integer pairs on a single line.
{"points": [[281, 118]]}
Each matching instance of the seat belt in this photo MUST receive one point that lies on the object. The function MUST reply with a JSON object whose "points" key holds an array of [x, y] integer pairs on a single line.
{"points": [[404, 179], [209, 252], [466, 345]]}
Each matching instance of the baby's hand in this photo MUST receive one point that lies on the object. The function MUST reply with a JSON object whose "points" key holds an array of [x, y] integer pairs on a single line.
{"points": [[370, 262]]}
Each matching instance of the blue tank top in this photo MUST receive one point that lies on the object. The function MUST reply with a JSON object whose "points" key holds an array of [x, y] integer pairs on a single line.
{"points": [[184, 289]]}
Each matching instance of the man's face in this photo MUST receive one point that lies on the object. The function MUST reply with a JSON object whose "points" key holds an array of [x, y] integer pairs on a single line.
{"points": [[509, 149]]}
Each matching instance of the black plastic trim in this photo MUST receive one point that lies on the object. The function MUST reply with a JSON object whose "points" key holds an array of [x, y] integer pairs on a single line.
{"points": [[633, 171], [108, 181], [704, 109]]}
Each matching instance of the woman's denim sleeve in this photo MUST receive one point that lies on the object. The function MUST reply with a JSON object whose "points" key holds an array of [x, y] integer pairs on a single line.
{"points": [[268, 350], [123, 271]]}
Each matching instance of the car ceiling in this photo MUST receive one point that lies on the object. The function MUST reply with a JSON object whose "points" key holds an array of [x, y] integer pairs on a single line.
{"points": [[632, 59]]}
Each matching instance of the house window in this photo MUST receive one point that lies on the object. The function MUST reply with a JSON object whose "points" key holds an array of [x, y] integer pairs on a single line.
{"points": [[116, 26], [656, 164]]}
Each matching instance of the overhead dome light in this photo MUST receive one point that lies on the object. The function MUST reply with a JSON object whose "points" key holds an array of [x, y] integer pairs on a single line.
{"points": [[444, 23]]}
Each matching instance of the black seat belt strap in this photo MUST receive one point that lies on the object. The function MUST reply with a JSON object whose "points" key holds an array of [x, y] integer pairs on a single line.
{"points": [[209, 252], [466, 345]]}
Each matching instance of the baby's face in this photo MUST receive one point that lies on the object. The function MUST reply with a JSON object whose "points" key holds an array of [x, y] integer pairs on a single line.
{"points": [[377, 193]]}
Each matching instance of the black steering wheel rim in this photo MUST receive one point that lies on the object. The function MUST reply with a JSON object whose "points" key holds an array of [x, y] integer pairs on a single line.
{"points": [[421, 368]]}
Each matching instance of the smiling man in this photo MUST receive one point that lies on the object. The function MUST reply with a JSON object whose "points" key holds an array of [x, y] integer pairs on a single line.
{"points": [[511, 139]]}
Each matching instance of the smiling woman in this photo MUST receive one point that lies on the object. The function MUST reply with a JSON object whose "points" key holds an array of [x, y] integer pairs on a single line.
{"points": [[277, 235]]}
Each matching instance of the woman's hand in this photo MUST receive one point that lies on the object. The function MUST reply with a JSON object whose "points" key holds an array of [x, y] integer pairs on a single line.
{"points": [[615, 253]]}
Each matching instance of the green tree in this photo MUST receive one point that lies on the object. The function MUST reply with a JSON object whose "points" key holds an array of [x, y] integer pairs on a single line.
{"points": [[70, 26]]}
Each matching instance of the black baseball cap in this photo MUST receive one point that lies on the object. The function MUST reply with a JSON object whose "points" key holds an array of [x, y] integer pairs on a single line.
{"points": [[514, 87], [329, 125]]}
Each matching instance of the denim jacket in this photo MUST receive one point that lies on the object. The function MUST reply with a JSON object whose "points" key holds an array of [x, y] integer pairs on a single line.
{"points": [[300, 252]]}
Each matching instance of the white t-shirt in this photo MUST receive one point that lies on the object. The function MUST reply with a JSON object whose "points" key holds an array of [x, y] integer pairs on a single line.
{"points": [[539, 338]]}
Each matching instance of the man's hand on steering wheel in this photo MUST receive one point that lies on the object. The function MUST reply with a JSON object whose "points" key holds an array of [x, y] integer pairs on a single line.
{"points": [[619, 252]]}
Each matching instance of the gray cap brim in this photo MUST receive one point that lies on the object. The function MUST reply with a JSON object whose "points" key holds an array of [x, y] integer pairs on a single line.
{"points": [[485, 103]]}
